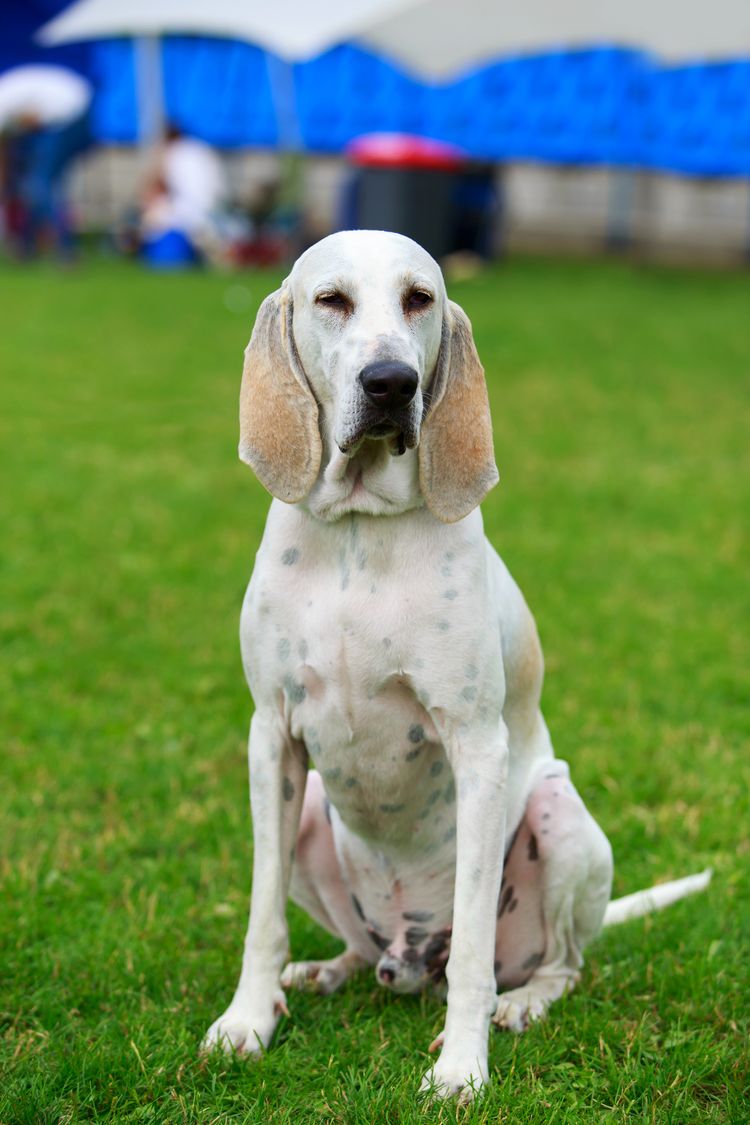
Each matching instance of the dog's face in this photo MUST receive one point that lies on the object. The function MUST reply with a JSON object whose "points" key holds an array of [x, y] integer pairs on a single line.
{"points": [[362, 389], [368, 316]]}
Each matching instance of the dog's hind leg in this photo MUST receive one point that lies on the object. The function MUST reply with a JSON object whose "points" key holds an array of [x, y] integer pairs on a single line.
{"points": [[317, 886], [557, 883]]}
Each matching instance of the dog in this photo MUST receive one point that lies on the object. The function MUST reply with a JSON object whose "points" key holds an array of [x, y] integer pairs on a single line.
{"points": [[386, 644]]}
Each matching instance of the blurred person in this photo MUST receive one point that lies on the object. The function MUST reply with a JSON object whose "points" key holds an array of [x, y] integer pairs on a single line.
{"points": [[187, 195], [44, 125]]}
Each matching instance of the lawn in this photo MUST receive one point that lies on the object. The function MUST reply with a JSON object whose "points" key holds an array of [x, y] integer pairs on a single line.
{"points": [[622, 415]]}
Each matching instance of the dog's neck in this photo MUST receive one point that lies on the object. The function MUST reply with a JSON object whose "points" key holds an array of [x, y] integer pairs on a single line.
{"points": [[373, 481]]}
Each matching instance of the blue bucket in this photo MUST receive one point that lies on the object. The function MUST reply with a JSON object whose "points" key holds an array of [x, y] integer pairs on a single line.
{"points": [[171, 250]]}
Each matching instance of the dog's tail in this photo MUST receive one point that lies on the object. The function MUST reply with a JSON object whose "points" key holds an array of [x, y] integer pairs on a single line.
{"points": [[655, 898]]}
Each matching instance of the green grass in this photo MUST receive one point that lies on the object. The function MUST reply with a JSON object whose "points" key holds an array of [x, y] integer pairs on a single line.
{"points": [[621, 409]]}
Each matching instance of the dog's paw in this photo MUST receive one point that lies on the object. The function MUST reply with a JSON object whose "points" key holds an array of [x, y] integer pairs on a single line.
{"points": [[323, 977], [244, 1030], [519, 1008], [462, 1078]]}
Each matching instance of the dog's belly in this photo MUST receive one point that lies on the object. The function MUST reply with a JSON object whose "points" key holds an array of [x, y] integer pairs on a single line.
{"points": [[390, 798], [403, 900], [378, 753]]}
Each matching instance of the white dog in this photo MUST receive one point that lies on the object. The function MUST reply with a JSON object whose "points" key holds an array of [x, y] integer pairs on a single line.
{"points": [[386, 643]]}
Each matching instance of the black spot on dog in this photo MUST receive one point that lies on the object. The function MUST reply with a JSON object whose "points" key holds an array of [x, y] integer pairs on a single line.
{"points": [[418, 915], [533, 848], [410, 956], [290, 556], [412, 754], [533, 962], [414, 935], [505, 899], [351, 782], [295, 691], [358, 907], [436, 953], [436, 768], [378, 939], [416, 733], [392, 808], [287, 788], [545, 816]]}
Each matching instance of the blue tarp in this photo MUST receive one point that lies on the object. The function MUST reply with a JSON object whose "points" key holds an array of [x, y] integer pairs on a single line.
{"points": [[598, 106]]}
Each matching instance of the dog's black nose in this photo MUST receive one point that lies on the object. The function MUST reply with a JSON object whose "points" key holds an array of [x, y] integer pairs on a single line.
{"points": [[386, 975], [388, 385]]}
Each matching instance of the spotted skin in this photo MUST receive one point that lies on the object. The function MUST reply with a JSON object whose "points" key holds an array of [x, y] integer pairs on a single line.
{"points": [[410, 947]]}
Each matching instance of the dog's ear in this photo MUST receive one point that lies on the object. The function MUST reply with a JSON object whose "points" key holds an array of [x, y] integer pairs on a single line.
{"points": [[279, 434], [456, 458]]}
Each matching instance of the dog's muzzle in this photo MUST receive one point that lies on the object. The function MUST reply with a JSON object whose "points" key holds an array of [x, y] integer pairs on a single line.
{"points": [[389, 390]]}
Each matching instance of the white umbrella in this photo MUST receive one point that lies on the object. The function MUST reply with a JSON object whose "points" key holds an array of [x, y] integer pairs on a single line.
{"points": [[435, 38], [432, 37], [53, 95], [439, 37], [291, 30]]}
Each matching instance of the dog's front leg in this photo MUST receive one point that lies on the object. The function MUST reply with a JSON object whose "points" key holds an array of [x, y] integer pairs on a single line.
{"points": [[277, 786], [480, 768]]}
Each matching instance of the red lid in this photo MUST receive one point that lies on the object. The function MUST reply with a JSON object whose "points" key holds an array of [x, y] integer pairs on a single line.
{"points": [[403, 150]]}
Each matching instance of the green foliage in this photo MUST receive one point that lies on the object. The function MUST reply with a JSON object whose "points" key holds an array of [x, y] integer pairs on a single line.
{"points": [[620, 400]]}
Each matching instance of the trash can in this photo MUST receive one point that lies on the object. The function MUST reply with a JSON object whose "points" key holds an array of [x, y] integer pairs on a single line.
{"points": [[406, 184]]}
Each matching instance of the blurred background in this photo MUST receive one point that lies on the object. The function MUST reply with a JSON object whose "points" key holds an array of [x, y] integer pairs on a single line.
{"points": [[236, 133], [580, 170]]}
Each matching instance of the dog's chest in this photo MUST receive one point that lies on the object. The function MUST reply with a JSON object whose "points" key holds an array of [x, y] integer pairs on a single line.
{"points": [[351, 693], [359, 643]]}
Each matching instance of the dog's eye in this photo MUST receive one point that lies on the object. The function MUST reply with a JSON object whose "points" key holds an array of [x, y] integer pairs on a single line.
{"points": [[418, 299], [334, 300]]}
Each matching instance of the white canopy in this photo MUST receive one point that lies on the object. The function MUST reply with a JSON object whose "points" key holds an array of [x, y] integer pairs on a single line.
{"points": [[52, 95], [292, 29], [433, 37]]}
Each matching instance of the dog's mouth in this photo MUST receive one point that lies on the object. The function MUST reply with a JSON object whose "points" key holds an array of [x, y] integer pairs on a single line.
{"points": [[399, 432], [394, 436]]}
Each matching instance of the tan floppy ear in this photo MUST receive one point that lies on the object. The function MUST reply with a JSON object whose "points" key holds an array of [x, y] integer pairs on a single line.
{"points": [[456, 458], [279, 434]]}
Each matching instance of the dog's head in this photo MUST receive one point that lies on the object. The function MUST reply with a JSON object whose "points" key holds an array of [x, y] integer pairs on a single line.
{"points": [[362, 389]]}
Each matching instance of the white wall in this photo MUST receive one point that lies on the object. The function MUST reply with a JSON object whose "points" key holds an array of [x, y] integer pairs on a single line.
{"points": [[572, 210]]}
